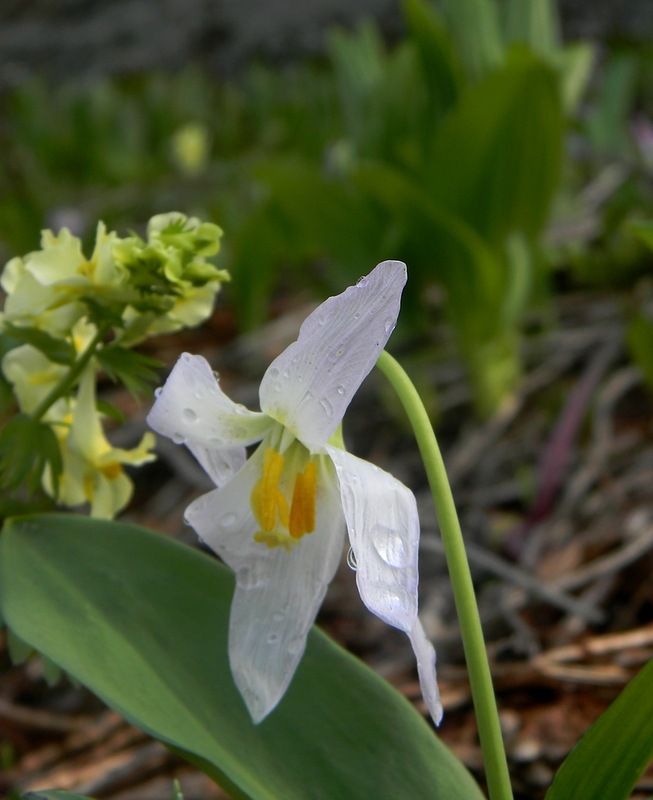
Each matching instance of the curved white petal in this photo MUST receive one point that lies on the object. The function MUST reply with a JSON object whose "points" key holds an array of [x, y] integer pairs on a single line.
{"points": [[278, 593], [425, 656], [309, 386], [383, 526], [192, 409]]}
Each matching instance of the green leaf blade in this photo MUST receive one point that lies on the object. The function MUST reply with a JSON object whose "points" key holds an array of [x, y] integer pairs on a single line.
{"points": [[142, 621], [615, 751]]}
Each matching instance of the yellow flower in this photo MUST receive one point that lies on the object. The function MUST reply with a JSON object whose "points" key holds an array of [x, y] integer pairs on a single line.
{"points": [[92, 468]]}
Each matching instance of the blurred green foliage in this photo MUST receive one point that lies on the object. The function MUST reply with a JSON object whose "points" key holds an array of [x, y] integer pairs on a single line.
{"points": [[444, 150]]}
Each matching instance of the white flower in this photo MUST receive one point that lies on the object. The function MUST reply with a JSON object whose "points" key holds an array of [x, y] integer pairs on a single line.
{"points": [[279, 519]]}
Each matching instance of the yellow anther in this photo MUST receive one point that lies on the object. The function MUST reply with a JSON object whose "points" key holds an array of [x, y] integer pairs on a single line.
{"points": [[268, 502], [281, 526], [302, 508]]}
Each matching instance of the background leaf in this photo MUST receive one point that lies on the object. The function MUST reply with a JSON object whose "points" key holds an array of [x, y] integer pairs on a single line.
{"points": [[615, 751], [142, 621]]}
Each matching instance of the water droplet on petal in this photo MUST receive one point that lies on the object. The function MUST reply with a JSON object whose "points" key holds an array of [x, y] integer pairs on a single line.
{"points": [[273, 372], [362, 281], [157, 391], [198, 394], [286, 373], [357, 315], [178, 438], [228, 520], [351, 560], [273, 638], [389, 325], [391, 545], [326, 406], [341, 390], [277, 387], [189, 415]]}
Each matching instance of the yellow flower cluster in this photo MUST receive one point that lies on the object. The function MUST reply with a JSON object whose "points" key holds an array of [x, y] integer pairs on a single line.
{"points": [[130, 286]]}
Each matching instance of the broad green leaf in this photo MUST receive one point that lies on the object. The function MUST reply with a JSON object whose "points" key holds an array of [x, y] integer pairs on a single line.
{"points": [[441, 67], [607, 124], [615, 751], [496, 159], [474, 25], [440, 246], [27, 446], [534, 23], [142, 621]]}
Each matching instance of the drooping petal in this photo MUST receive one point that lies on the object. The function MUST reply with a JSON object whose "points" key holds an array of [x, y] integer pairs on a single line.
{"points": [[192, 409], [278, 593], [309, 386], [425, 657], [383, 525]]}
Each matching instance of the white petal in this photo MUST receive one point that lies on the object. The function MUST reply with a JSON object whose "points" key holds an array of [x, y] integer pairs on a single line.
{"points": [[192, 409], [383, 526], [309, 386], [425, 656], [278, 593]]}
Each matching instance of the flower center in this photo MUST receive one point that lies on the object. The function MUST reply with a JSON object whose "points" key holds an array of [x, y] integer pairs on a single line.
{"points": [[282, 524]]}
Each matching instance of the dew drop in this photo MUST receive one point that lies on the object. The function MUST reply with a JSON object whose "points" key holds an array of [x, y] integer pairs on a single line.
{"points": [[362, 281], [326, 406], [189, 415], [351, 560], [273, 638], [187, 357], [228, 520], [157, 391], [357, 315], [286, 373], [389, 325], [341, 390], [198, 394], [390, 545], [178, 438], [277, 387], [273, 372]]}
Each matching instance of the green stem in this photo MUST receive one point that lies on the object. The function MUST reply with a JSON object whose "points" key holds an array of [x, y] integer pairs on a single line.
{"points": [[487, 716], [70, 379]]}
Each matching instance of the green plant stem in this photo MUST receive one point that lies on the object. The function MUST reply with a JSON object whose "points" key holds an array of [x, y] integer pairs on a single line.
{"points": [[487, 716], [70, 379]]}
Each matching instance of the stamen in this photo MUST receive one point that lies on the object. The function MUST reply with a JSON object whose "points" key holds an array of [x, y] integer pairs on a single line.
{"points": [[302, 508], [267, 500], [281, 526]]}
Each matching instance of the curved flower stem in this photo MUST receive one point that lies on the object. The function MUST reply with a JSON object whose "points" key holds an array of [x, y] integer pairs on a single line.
{"points": [[487, 715], [68, 381]]}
